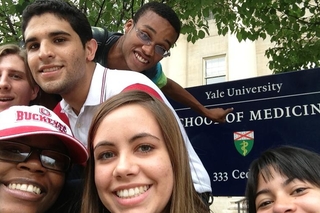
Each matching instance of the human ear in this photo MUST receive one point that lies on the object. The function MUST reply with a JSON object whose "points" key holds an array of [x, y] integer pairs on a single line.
{"points": [[91, 48], [34, 92], [128, 25]]}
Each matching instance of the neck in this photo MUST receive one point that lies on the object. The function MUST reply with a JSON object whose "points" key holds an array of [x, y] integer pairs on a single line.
{"points": [[115, 57], [77, 96]]}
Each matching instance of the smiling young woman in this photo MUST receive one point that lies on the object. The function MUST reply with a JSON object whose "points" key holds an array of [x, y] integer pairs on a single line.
{"points": [[32, 174], [284, 179], [138, 160]]}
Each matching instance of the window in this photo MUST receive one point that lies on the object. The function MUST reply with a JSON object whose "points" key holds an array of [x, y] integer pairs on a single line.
{"points": [[215, 70]]}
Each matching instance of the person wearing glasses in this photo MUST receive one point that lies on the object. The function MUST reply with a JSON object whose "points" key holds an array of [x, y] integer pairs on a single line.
{"points": [[60, 51], [36, 152], [148, 37]]}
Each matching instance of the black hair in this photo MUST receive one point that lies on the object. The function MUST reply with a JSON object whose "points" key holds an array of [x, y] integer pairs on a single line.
{"points": [[288, 161], [63, 10], [162, 10]]}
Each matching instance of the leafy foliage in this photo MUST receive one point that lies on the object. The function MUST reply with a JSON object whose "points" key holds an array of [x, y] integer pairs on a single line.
{"points": [[291, 25], [108, 13]]}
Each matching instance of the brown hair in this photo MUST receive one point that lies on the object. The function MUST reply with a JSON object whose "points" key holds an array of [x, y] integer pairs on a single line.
{"points": [[13, 49], [184, 198]]}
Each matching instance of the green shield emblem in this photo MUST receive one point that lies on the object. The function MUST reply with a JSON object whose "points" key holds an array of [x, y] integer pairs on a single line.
{"points": [[243, 141]]}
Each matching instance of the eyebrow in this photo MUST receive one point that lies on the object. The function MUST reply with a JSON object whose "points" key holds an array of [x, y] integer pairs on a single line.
{"points": [[264, 191], [155, 32], [16, 71], [135, 137], [143, 135], [103, 143], [51, 34]]}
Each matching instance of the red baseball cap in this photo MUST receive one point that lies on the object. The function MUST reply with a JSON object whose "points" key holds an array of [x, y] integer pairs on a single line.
{"points": [[18, 121]]}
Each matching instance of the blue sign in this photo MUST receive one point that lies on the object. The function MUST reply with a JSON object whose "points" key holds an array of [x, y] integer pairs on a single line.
{"points": [[268, 111]]}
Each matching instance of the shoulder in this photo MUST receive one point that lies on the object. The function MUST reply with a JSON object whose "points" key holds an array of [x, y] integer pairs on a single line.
{"points": [[105, 41], [156, 75], [151, 72], [127, 75]]}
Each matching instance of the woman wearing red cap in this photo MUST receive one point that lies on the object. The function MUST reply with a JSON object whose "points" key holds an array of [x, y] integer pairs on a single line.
{"points": [[36, 151]]}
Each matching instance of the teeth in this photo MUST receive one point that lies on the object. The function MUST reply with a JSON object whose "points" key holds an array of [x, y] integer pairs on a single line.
{"points": [[141, 59], [6, 99], [25, 187], [51, 69], [133, 192]]}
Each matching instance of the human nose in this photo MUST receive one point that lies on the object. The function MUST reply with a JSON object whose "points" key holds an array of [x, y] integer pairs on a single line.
{"points": [[148, 49], [126, 167], [4, 82], [45, 50], [284, 204], [32, 164]]}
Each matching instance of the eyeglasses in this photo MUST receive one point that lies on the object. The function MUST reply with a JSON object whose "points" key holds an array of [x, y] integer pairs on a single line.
{"points": [[145, 38], [19, 152]]}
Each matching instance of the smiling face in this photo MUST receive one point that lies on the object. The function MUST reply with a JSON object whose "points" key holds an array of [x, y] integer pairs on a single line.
{"points": [[133, 172], [46, 184], [139, 56], [15, 88], [280, 194], [56, 55]]}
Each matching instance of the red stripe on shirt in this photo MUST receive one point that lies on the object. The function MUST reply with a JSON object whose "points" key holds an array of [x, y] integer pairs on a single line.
{"points": [[144, 88]]}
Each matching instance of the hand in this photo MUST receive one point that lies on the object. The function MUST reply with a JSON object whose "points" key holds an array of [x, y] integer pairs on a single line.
{"points": [[218, 114]]}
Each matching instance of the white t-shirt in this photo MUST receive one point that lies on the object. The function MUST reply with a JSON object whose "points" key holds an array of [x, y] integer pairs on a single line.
{"points": [[106, 83]]}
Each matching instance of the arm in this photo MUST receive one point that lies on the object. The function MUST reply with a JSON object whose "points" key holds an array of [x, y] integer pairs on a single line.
{"points": [[179, 94]]}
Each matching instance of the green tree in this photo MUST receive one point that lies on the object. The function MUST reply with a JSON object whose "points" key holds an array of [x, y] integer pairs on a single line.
{"points": [[110, 13], [291, 25]]}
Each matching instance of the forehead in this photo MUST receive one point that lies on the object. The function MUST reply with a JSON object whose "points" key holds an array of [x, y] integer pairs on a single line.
{"points": [[126, 110], [45, 24], [135, 117], [159, 24], [126, 125], [151, 17], [12, 60]]}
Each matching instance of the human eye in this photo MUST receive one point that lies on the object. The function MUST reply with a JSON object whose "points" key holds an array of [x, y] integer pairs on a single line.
{"points": [[59, 40], [12, 148], [32, 46], [16, 76], [144, 36], [161, 49], [145, 148], [13, 151], [299, 191], [263, 204], [105, 155], [298, 187], [49, 161]]}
